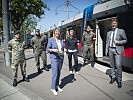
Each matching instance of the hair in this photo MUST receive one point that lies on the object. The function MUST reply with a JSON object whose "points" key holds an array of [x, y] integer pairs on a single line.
{"points": [[114, 20], [55, 30], [72, 30]]}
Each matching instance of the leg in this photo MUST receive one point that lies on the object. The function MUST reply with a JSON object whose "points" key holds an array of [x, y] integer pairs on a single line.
{"points": [[23, 70], [44, 60], [85, 53], [54, 65], [76, 61], [59, 71], [70, 61], [112, 53], [91, 53], [118, 59], [36, 55], [37, 60], [14, 67], [112, 62], [92, 56]]}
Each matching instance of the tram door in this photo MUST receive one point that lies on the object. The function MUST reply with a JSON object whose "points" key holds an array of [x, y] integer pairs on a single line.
{"points": [[103, 26]]}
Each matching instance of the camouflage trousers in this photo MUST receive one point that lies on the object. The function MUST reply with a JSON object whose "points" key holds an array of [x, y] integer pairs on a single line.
{"points": [[88, 52], [43, 56], [15, 64]]}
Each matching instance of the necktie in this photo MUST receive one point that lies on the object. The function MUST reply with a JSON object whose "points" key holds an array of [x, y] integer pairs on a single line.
{"points": [[113, 38]]}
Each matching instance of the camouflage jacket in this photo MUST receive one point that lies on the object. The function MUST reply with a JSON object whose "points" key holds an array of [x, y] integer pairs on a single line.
{"points": [[39, 43], [87, 38], [16, 48]]}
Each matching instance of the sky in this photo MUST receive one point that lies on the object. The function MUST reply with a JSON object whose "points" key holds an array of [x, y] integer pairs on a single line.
{"points": [[57, 12]]}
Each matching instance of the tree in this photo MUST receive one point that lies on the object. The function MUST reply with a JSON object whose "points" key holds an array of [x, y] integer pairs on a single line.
{"points": [[23, 8], [29, 24]]}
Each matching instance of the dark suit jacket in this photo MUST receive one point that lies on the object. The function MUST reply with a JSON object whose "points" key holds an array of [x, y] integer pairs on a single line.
{"points": [[120, 37]]}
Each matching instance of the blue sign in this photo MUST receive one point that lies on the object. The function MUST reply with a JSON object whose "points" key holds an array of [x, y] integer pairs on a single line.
{"points": [[87, 14]]}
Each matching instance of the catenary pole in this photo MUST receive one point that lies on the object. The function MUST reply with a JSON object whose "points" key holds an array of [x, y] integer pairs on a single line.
{"points": [[6, 34]]}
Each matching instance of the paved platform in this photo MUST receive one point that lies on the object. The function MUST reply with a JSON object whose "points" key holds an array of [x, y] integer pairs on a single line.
{"points": [[90, 84]]}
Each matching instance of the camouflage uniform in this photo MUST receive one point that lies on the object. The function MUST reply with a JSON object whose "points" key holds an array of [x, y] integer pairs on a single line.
{"points": [[88, 46], [16, 47], [39, 49]]}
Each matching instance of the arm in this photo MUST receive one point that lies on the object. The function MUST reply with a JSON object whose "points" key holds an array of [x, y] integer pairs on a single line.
{"points": [[123, 40], [83, 39], [76, 44], [107, 45], [94, 37], [49, 46], [66, 47], [32, 42], [9, 46]]}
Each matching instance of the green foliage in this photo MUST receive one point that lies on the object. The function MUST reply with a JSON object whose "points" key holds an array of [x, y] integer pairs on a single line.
{"points": [[29, 24], [23, 8]]}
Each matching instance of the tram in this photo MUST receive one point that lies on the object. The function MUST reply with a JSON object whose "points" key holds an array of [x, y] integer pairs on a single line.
{"points": [[99, 18]]}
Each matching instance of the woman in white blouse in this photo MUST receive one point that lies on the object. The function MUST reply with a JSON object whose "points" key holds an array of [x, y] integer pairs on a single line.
{"points": [[55, 47]]}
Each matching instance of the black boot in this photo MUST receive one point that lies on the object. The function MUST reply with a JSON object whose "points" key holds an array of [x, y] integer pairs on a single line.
{"points": [[84, 63], [45, 68], [119, 84], [92, 63], [14, 82], [25, 79], [39, 70]]}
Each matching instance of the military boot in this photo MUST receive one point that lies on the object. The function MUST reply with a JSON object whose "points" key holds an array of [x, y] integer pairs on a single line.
{"points": [[25, 79], [45, 68], [84, 63], [39, 70], [14, 82]]}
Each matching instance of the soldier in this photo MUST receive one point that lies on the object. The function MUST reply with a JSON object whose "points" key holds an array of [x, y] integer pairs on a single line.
{"points": [[39, 49], [16, 48], [88, 45]]}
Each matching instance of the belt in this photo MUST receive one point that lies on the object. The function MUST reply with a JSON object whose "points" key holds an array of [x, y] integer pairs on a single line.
{"points": [[112, 47]]}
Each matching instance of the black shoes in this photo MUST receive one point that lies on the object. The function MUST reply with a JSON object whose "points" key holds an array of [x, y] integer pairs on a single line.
{"points": [[25, 79], [92, 64], [39, 70], [112, 80], [14, 82], [119, 84], [45, 68]]}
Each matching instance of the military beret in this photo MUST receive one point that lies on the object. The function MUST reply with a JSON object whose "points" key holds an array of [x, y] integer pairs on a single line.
{"points": [[17, 32]]}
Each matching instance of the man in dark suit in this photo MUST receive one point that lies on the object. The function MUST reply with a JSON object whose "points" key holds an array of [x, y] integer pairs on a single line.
{"points": [[115, 40]]}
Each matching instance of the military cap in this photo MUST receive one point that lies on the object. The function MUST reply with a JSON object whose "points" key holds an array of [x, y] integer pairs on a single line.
{"points": [[17, 32], [37, 30]]}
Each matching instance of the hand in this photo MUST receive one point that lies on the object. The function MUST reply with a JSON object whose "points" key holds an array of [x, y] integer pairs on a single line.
{"points": [[65, 50], [54, 50], [115, 42]]}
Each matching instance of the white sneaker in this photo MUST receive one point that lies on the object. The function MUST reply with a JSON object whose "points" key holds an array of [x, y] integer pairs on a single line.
{"points": [[59, 89], [54, 92], [71, 72]]}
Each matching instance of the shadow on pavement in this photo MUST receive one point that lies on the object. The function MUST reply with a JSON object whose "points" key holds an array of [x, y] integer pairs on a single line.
{"points": [[68, 79], [33, 75]]}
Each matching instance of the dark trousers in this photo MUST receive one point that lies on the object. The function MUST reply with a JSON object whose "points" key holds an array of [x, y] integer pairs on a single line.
{"points": [[115, 64], [75, 56]]}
